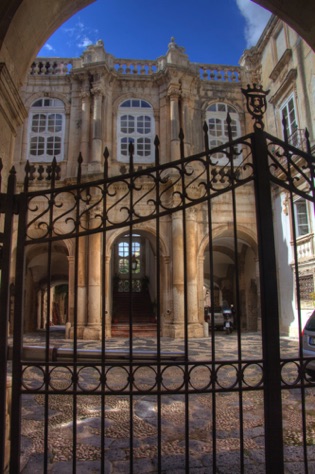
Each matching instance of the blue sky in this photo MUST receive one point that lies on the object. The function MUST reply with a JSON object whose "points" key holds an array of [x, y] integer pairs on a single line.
{"points": [[211, 31]]}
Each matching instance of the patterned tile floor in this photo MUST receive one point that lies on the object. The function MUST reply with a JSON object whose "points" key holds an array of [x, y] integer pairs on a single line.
{"points": [[145, 419]]}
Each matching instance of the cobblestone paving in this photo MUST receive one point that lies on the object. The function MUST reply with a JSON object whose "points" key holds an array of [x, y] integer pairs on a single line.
{"points": [[145, 420]]}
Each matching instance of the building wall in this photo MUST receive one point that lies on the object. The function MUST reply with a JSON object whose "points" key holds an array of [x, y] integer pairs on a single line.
{"points": [[285, 65]]}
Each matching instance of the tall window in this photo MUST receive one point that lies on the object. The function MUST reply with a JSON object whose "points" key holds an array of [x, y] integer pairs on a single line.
{"points": [[218, 130], [288, 111], [136, 126], [301, 217], [280, 42], [46, 130], [125, 257]]}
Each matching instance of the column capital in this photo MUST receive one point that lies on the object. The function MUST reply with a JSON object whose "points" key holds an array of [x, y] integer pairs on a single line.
{"points": [[98, 91], [85, 95], [173, 92]]}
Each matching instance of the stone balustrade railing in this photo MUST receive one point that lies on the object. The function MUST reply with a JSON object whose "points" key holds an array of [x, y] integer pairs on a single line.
{"points": [[51, 66], [219, 73], [134, 67], [305, 247]]}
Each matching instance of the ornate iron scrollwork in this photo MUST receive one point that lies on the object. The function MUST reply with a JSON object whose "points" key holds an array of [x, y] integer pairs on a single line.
{"points": [[256, 103]]}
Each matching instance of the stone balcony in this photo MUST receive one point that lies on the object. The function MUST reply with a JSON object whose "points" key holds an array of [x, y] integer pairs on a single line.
{"points": [[305, 247]]}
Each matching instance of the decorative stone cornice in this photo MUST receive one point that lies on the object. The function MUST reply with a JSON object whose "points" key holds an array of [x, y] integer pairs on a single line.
{"points": [[283, 61], [11, 105]]}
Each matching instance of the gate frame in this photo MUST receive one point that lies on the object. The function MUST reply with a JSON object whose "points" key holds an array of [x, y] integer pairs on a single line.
{"points": [[11, 204]]}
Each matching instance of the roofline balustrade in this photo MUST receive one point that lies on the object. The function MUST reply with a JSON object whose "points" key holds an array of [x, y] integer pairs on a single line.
{"points": [[135, 67]]}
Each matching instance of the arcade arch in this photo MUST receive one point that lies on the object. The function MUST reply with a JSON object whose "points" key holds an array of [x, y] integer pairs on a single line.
{"points": [[133, 255], [47, 277], [232, 275]]}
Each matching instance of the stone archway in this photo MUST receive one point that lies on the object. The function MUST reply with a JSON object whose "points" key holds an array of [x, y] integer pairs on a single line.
{"points": [[235, 280], [133, 272], [46, 299]]}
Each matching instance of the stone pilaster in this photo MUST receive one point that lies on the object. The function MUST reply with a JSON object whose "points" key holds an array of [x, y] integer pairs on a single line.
{"points": [[93, 328], [71, 290], [178, 275], [174, 94], [97, 145], [108, 297], [194, 327], [85, 124], [82, 287]]}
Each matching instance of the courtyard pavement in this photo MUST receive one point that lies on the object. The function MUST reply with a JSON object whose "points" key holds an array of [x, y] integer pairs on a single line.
{"points": [[204, 429]]}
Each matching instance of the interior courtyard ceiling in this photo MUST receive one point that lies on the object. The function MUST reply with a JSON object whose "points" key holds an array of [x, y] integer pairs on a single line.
{"points": [[25, 25]]}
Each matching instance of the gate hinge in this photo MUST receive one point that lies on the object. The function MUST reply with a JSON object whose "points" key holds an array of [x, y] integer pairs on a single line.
{"points": [[4, 203]]}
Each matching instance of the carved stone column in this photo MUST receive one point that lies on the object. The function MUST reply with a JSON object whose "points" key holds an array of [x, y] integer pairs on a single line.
{"points": [[70, 290], [82, 287], [178, 275], [97, 125], [174, 95], [93, 328], [85, 124], [187, 123], [194, 328], [108, 125], [108, 297]]}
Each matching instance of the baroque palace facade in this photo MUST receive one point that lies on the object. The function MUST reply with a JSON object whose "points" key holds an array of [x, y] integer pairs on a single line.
{"points": [[81, 105]]}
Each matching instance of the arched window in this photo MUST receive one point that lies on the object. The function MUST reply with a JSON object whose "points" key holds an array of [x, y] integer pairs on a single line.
{"points": [[135, 125], [217, 127], [129, 252], [46, 130]]}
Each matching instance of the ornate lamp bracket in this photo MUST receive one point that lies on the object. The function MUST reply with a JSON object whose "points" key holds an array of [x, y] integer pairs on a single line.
{"points": [[256, 103]]}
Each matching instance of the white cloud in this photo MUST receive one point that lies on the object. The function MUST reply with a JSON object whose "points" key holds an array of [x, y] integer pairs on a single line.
{"points": [[81, 35], [84, 42], [256, 19], [49, 47]]}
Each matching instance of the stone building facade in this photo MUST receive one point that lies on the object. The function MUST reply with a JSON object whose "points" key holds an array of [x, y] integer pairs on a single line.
{"points": [[81, 105]]}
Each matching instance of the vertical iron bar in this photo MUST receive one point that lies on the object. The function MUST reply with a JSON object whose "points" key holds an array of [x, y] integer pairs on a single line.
{"points": [[186, 346], [131, 368], [77, 244], [18, 338], [269, 307], [104, 307], [158, 305], [237, 289], [211, 273], [4, 308], [213, 333]]}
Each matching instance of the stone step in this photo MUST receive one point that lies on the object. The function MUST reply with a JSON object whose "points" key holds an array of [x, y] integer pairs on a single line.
{"points": [[138, 330]]}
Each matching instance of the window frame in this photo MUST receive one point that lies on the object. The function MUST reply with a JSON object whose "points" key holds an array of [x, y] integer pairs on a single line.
{"points": [[51, 113], [298, 225], [220, 116], [140, 113], [280, 52], [292, 137]]}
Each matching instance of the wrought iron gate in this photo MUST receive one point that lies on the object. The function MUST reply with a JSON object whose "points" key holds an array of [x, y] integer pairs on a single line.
{"points": [[161, 406]]}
